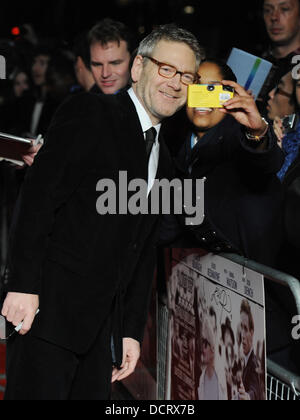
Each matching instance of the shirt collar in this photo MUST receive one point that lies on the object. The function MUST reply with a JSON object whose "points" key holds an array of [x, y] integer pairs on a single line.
{"points": [[142, 114]]}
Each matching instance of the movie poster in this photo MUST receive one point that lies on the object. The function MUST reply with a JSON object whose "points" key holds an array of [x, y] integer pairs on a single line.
{"points": [[216, 330]]}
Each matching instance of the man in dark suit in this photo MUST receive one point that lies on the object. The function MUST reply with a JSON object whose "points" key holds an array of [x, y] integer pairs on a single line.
{"points": [[90, 275]]}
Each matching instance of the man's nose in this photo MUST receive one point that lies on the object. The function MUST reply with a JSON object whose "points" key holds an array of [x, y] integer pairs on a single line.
{"points": [[272, 94], [175, 82], [275, 16]]}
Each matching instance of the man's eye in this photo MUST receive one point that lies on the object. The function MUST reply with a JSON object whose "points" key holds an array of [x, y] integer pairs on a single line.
{"points": [[167, 69], [267, 11]]}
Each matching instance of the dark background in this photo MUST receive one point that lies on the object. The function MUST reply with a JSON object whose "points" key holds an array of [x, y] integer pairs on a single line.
{"points": [[218, 25]]}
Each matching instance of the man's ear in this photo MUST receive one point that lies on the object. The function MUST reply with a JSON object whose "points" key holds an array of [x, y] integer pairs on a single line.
{"points": [[137, 68]]}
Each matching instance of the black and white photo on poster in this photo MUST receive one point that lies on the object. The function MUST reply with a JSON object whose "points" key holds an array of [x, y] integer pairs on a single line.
{"points": [[216, 330]]}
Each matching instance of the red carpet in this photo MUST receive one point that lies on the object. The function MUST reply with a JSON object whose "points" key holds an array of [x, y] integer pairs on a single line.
{"points": [[2, 369]]}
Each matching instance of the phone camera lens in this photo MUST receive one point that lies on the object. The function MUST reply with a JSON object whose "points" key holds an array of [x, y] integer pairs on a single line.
{"points": [[210, 88]]}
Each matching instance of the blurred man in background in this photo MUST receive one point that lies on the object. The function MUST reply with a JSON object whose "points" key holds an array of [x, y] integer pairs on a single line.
{"points": [[282, 20], [111, 45]]}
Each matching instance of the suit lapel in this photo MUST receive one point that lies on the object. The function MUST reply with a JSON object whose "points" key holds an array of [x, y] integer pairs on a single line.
{"points": [[131, 141], [165, 164]]}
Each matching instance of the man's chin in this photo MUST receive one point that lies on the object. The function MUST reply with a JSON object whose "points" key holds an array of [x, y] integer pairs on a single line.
{"points": [[280, 41]]}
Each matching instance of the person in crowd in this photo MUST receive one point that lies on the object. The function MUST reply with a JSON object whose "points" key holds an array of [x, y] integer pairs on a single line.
{"points": [[286, 351], [21, 83], [282, 99], [18, 86], [250, 385], [282, 20], [57, 254], [60, 76], [33, 112], [289, 137], [111, 45], [210, 387], [84, 75]]}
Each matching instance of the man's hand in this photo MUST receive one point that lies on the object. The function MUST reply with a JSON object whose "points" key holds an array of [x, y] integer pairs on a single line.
{"points": [[131, 356], [243, 108], [31, 154], [18, 308], [278, 128]]}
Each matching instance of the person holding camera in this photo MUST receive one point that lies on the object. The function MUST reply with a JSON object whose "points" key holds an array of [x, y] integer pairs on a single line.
{"points": [[237, 152]]}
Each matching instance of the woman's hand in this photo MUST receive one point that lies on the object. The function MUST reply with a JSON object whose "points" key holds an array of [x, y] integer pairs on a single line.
{"points": [[243, 108], [278, 128]]}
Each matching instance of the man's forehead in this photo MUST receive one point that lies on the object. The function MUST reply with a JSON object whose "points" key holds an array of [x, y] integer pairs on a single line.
{"points": [[109, 47], [42, 57], [110, 52], [177, 54], [278, 2]]}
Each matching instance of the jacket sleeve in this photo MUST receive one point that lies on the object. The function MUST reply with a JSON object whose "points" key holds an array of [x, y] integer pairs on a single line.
{"points": [[266, 162], [138, 294], [55, 174]]}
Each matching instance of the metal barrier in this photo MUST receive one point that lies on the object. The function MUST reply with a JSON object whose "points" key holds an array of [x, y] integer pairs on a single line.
{"points": [[281, 384]]}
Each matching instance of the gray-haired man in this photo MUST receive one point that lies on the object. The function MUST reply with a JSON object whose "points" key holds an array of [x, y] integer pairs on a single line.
{"points": [[89, 275]]}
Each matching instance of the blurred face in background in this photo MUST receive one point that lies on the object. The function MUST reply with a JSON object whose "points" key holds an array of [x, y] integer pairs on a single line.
{"points": [[282, 19], [281, 101], [110, 66], [39, 69], [204, 119], [21, 84]]}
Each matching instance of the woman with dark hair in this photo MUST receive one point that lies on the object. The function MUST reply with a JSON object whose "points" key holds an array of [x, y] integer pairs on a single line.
{"points": [[242, 191]]}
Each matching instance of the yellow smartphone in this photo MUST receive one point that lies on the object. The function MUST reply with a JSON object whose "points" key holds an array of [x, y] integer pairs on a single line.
{"points": [[209, 96]]}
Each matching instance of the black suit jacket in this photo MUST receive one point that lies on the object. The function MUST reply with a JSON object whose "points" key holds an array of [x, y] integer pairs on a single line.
{"points": [[85, 267]]}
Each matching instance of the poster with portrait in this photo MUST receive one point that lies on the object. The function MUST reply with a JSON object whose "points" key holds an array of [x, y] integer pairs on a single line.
{"points": [[216, 330]]}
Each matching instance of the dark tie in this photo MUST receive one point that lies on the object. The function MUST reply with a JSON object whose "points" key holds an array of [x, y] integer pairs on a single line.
{"points": [[150, 140]]}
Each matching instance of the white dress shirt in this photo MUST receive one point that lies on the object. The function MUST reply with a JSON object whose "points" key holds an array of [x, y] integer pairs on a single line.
{"points": [[146, 125]]}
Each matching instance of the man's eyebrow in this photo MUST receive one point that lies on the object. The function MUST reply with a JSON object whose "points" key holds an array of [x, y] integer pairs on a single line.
{"points": [[283, 3], [99, 63]]}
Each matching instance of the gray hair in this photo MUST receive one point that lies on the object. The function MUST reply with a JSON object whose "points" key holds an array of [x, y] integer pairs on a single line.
{"points": [[171, 33]]}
